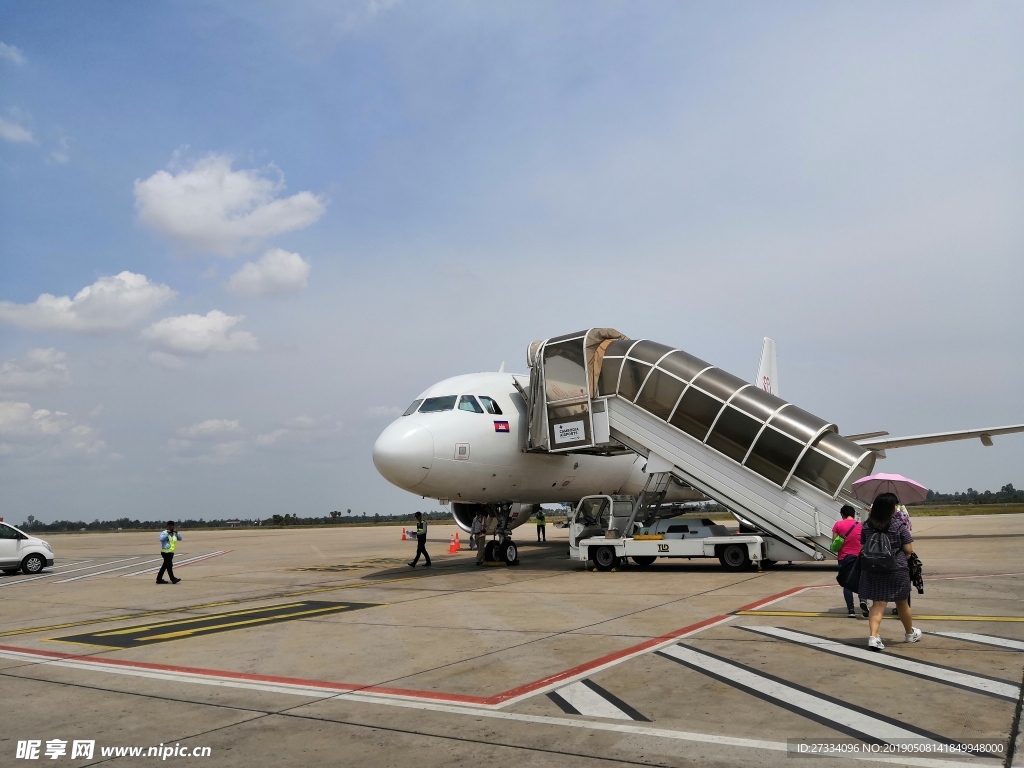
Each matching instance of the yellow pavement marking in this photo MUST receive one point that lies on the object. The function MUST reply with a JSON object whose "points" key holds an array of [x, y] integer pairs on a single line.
{"points": [[917, 617], [219, 627], [124, 617], [204, 617], [187, 608]]}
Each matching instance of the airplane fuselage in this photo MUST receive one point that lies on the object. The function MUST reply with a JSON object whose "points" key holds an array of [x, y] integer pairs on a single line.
{"points": [[455, 449]]}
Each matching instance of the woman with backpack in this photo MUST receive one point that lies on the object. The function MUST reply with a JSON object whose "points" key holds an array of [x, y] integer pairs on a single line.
{"points": [[885, 574]]}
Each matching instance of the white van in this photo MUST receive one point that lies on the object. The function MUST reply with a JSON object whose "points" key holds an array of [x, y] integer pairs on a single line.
{"points": [[21, 552]]}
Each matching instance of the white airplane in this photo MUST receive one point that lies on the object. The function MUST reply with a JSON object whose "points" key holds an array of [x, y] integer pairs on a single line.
{"points": [[462, 441]]}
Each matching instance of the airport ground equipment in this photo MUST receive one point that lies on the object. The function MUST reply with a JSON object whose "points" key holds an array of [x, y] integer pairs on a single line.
{"points": [[767, 461], [604, 529]]}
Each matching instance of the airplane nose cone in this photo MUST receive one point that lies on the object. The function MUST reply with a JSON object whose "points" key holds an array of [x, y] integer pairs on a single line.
{"points": [[403, 454]]}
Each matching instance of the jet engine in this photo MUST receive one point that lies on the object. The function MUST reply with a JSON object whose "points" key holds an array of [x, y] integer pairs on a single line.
{"points": [[464, 513]]}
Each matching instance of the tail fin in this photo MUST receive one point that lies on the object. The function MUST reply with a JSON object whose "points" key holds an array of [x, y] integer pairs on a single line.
{"points": [[768, 369]]}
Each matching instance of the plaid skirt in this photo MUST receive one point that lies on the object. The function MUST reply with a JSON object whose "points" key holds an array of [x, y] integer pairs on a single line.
{"points": [[889, 587]]}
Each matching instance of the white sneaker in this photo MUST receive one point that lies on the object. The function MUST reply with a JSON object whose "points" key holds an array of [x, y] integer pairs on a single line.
{"points": [[913, 636], [876, 644]]}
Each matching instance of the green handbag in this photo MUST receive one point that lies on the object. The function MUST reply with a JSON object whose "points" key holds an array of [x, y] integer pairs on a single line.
{"points": [[839, 540]]}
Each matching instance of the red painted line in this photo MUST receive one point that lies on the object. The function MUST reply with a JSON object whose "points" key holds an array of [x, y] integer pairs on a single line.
{"points": [[601, 661], [387, 691], [772, 599], [244, 676]]}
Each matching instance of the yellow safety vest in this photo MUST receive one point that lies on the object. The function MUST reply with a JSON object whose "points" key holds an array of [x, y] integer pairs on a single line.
{"points": [[419, 528], [540, 518], [172, 538]]}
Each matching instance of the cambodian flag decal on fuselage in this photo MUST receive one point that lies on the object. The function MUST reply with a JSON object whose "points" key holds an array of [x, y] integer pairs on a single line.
{"points": [[501, 426]]}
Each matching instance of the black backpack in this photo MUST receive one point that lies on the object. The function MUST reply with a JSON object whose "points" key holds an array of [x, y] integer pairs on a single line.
{"points": [[876, 555]]}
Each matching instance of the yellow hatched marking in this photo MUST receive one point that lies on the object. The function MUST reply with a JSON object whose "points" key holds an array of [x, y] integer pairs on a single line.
{"points": [[917, 617], [187, 608], [191, 619], [125, 617], [265, 619]]}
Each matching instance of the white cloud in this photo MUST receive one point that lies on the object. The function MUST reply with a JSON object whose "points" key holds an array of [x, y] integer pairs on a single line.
{"points": [[61, 153], [198, 335], [277, 271], [15, 132], [213, 208], [22, 426], [301, 428], [165, 360], [213, 441], [11, 53], [110, 304], [190, 451], [38, 369], [379, 411], [211, 429]]}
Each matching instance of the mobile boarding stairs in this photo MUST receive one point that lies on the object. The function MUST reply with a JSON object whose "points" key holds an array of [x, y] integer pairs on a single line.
{"points": [[767, 461]]}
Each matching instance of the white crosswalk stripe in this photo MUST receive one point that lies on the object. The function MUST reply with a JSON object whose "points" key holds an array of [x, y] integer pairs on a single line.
{"points": [[845, 718], [1002, 642], [100, 573], [587, 698], [955, 677], [62, 573], [178, 564]]}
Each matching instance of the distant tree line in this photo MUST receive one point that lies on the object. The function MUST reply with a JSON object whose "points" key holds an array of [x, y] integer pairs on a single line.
{"points": [[1005, 495], [334, 518]]}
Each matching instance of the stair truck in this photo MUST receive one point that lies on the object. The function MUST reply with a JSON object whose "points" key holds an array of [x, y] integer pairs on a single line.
{"points": [[774, 466]]}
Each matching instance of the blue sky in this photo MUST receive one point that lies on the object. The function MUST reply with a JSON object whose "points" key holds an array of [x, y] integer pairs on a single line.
{"points": [[322, 208]]}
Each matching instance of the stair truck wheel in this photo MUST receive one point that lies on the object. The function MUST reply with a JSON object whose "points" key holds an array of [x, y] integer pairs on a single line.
{"points": [[604, 558], [734, 557], [644, 559]]}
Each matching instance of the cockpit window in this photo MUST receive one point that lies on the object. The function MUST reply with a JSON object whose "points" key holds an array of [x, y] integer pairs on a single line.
{"points": [[436, 404], [412, 408], [490, 405], [469, 403]]}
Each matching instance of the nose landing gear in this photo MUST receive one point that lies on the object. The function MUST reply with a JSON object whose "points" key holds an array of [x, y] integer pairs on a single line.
{"points": [[502, 549]]}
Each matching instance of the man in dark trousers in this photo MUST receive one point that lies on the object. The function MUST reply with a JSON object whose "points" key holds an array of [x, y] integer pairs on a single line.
{"points": [[421, 542], [542, 533], [168, 539]]}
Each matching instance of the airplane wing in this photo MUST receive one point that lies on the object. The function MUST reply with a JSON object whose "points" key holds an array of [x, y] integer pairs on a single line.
{"points": [[871, 440]]}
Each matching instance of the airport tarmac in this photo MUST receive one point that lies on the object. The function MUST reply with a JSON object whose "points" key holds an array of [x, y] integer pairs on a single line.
{"points": [[321, 647]]}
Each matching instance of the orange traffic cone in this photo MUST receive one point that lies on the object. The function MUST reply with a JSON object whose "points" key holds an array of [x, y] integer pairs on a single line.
{"points": [[458, 544], [404, 536], [453, 545]]}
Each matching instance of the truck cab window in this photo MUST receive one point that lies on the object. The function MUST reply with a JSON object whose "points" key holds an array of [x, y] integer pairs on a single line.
{"points": [[490, 405]]}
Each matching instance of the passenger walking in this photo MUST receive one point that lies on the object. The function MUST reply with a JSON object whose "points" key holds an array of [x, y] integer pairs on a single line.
{"points": [[542, 534], [885, 575], [421, 542], [480, 536], [904, 515], [168, 540], [849, 529]]}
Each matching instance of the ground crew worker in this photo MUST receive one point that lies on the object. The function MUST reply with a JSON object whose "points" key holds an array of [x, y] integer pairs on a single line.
{"points": [[479, 532], [168, 539], [542, 534], [421, 541]]}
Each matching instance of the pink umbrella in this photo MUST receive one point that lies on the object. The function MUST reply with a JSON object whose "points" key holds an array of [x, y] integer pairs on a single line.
{"points": [[908, 491]]}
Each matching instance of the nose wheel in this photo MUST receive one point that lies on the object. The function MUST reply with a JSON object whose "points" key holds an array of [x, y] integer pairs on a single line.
{"points": [[502, 551]]}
